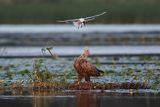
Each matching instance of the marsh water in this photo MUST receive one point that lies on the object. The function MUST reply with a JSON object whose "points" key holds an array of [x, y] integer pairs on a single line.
{"points": [[139, 66], [82, 99], [127, 53]]}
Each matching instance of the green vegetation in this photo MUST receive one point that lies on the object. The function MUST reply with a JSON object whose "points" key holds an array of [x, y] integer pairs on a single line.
{"points": [[42, 76], [146, 58], [48, 11]]}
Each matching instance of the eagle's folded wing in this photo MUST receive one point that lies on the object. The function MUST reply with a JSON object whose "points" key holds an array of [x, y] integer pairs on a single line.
{"points": [[89, 68]]}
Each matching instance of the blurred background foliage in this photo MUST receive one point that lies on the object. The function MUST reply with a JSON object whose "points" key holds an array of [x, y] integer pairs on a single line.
{"points": [[48, 11]]}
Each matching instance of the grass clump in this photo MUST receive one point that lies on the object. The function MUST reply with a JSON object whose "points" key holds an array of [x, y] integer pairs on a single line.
{"points": [[42, 78]]}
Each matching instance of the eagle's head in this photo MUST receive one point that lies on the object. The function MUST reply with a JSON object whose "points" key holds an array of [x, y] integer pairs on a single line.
{"points": [[86, 52]]}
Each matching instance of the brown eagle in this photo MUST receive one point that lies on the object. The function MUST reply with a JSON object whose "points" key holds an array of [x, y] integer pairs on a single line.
{"points": [[84, 68]]}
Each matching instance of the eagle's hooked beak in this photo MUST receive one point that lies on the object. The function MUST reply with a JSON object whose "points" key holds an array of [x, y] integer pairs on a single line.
{"points": [[87, 52]]}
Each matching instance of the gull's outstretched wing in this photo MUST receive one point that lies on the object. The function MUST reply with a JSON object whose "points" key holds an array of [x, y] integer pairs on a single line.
{"points": [[86, 19], [93, 17], [89, 19], [68, 21]]}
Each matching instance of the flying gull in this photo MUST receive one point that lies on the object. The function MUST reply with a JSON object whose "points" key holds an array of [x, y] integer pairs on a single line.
{"points": [[80, 22]]}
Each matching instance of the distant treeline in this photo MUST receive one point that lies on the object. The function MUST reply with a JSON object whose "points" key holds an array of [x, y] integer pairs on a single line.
{"points": [[68, 1], [48, 11]]}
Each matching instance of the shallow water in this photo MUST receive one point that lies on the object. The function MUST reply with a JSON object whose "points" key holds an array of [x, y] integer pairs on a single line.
{"points": [[68, 51], [118, 68], [42, 35], [70, 28], [83, 99]]}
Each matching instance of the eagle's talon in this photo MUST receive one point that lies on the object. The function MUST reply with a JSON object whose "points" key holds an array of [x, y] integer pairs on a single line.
{"points": [[77, 82]]}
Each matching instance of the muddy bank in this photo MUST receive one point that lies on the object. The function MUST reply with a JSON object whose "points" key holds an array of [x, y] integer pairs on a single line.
{"points": [[105, 86]]}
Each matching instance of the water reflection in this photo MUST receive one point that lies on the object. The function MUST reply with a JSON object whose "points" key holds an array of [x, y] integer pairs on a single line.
{"points": [[53, 102], [81, 99], [115, 100], [86, 100]]}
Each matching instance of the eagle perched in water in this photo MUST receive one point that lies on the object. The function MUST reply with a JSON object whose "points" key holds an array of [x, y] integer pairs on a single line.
{"points": [[84, 68]]}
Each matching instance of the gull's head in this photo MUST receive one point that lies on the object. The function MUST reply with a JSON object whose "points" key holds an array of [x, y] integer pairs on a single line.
{"points": [[82, 19]]}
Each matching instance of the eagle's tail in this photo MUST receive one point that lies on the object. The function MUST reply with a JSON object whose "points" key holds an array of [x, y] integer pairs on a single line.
{"points": [[100, 72]]}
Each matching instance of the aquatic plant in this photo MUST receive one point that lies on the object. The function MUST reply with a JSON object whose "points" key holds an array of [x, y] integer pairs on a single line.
{"points": [[97, 61], [24, 72], [68, 72], [42, 78], [17, 87], [9, 75], [40, 74], [106, 72], [1, 84], [6, 67], [145, 58], [40, 71], [156, 83]]}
